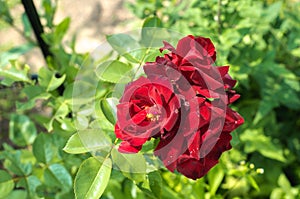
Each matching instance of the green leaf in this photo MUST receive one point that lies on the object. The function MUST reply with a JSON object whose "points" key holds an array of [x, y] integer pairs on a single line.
{"points": [[296, 52], [114, 71], [87, 140], [21, 130], [152, 22], [14, 73], [253, 183], [20, 194], [33, 92], [133, 166], [12, 54], [26, 25], [155, 183], [30, 183], [5, 12], [6, 184], [272, 12], [92, 178], [168, 193], [265, 106], [126, 46], [13, 163], [108, 107], [152, 33], [284, 183], [61, 29], [215, 177], [255, 140], [48, 79], [42, 148], [56, 175], [61, 113]]}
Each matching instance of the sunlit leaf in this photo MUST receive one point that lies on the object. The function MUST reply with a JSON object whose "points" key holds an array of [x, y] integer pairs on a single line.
{"points": [[92, 178]]}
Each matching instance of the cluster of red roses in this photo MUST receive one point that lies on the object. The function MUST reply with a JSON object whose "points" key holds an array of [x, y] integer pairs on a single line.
{"points": [[183, 102]]}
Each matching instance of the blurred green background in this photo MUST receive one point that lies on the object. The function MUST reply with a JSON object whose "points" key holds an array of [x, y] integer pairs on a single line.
{"points": [[259, 39]]}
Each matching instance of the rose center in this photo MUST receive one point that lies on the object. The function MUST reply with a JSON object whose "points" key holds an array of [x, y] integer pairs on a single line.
{"points": [[153, 113]]}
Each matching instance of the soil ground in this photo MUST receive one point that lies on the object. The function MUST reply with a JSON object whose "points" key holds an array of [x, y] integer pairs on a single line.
{"points": [[91, 20]]}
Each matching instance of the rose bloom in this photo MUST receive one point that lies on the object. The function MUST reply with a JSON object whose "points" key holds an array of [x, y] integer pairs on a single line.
{"points": [[148, 108], [184, 103]]}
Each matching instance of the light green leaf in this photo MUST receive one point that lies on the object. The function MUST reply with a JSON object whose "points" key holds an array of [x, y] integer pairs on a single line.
{"points": [[14, 54], [272, 12], [284, 183], [21, 130], [253, 183], [215, 177], [20, 194], [87, 140], [48, 79], [92, 178], [114, 71], [133, 166], [13, 73], [6, 184], [81, 122], [56, 175], [296, 52], [126, 46], [42, 148], [61, 29]]}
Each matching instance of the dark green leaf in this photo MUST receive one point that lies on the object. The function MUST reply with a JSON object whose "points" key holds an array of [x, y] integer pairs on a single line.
{"points": [[30, 183], [26, 25], [13, 163], [42, 148], [56, 175], [255, 140], [108, 107], [152, 22], [155, 183], [21, 130]]}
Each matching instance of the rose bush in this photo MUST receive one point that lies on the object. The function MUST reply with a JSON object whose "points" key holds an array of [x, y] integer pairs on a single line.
{"points": [[184, 103]]}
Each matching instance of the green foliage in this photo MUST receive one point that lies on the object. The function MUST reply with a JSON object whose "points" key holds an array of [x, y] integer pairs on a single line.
{"points": [[59, 121], [92, 178]]}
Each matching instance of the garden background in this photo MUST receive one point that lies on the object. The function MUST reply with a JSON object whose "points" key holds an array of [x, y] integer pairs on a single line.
{"points": [[41, 157]]}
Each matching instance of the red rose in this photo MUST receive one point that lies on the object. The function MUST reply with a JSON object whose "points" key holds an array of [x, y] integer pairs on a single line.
{"points": [[193, 140], [148, 108]]}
